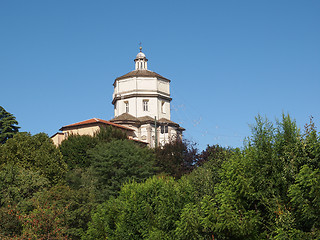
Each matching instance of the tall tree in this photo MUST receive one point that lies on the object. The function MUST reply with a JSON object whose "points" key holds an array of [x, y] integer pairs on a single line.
{"points": [[7, 125], [117, 162]]}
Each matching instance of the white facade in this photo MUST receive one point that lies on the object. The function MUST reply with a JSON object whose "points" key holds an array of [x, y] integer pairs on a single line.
{"points": [[140, 97]]}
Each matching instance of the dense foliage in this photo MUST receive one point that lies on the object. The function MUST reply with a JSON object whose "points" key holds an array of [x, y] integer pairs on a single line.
{"points": [[35, 153], [108, 187], [117, 162], [268, 190]]}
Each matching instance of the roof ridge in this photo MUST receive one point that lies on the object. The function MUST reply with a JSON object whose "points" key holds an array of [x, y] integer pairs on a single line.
{"points": [[78, 122], [124, 116], [143, 72]]}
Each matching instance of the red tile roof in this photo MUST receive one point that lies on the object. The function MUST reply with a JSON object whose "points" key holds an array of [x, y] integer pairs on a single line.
{"points": [[58, 133], [95, 120]]}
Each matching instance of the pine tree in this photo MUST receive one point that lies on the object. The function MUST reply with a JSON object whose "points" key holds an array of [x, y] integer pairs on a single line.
{"points": [[7, 125]]}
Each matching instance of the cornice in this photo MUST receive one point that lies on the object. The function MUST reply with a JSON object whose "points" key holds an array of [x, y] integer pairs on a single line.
{"points": [[147, 95], [143, 91]]}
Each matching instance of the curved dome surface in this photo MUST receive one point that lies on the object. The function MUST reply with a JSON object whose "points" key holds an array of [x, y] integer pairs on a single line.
{"points": [[140, 55]]}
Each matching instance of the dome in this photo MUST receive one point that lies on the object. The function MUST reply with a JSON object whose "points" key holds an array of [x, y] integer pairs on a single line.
{"points": [[140, 55], [141, 61]]}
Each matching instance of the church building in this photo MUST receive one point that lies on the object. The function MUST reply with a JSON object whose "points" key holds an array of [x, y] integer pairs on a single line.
{"points": [[141, 101]]}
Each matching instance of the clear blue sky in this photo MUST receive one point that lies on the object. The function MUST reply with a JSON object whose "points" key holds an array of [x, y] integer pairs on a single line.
{"points": [[228, 61]]}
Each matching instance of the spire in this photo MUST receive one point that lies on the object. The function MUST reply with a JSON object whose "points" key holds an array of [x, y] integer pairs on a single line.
{"points": [[141, 60]]}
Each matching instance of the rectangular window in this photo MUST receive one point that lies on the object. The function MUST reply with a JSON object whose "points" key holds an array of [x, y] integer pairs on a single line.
{"points": [[164, 129], [126, 106], [145, 105]]}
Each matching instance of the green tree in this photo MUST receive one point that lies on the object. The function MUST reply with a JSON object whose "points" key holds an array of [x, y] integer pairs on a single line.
{"points": [[7, 125], [311, 145], [36, 153], [18, 184], [235, 204], [268, 190], [305, 198], [117, 162], [286, 227], [216, 153], [74, 150], [109, 133], [289, 152], [256, 182], [146, 210], [208, 175]]}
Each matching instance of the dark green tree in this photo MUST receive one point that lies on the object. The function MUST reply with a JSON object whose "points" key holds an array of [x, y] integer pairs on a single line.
{"points": [[176, 158], [110, 133], [74, 150], [311, 145], [117, 162], [7, 125], [214, 152]]}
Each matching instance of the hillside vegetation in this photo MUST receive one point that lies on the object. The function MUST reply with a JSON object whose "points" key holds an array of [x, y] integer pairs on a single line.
{"points": [[108, 187]]}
